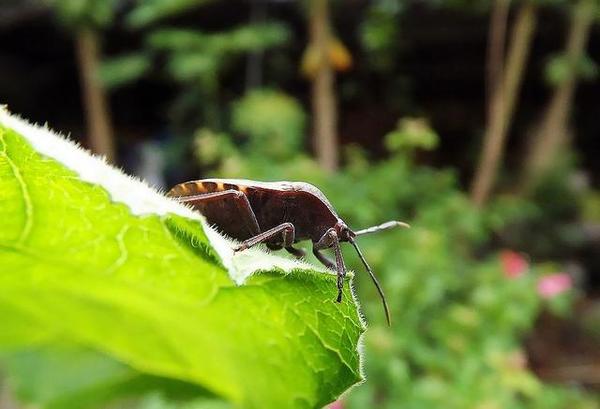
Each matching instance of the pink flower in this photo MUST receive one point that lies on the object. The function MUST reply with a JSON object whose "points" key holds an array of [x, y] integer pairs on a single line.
{"points": [[338, 404], [514, 265], [553, 284]]}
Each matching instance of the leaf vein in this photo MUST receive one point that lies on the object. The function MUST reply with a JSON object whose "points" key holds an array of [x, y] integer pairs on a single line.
{"points": [[120, 238], [28, 205]]}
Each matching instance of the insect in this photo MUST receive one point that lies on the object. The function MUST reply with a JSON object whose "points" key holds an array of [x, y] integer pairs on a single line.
{"points": [[278, 214]]}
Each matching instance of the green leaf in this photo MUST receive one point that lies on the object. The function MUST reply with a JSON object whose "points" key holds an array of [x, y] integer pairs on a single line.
{"points": [[91, 257], [150, 11], [247, 38], [560, 69], [78, 14], [124, 69], [273, 121], [177, 39], [412, 133], [192, 66], [72, 377]]}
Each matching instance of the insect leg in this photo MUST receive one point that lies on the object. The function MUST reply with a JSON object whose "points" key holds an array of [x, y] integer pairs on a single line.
{"points": [[287, 229], [240, 200], [273, 246], [330, 239], [324, 260], [299, 253]]}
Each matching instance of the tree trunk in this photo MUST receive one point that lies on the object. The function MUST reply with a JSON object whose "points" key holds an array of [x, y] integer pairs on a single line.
{"points": [[521, 40], [495, 50], [323, 92], [94, 98], [551, 134], [503, 100], [254, 67]]}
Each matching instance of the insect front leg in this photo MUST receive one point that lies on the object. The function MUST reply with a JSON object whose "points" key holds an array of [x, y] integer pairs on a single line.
{"points": [[330, 239], [286, 229]]}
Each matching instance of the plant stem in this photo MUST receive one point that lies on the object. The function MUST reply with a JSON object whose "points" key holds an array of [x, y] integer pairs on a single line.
{"points": [[323, 92], [551, 134], [100, 132], [492, 142], [503, 102]]}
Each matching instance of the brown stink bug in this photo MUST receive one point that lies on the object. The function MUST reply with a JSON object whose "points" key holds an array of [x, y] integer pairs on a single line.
{"points": [[278, 214]]}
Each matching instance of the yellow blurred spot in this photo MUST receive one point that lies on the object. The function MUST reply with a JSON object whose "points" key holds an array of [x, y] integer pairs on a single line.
{"points": [[337, 55]]}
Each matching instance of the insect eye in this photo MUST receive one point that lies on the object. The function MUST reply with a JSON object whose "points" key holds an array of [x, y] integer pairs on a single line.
{"points": [[346, 234]]}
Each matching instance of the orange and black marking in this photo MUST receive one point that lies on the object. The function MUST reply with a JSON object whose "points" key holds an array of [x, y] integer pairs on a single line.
{"points": [[198, 187]]}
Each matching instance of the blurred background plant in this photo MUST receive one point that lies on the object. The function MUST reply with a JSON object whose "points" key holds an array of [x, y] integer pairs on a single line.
{"points": [[494, 289]]}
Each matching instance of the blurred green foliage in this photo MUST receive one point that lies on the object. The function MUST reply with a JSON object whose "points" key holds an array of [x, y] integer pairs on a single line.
{"points": [[197, 57], [78, 14], [550, 229], [194, 60], [151, 11], [379, 32], [458, 317], [410, 134], [591, 207], [273, 122], [559, 69], [124, 69], [246, 38]]}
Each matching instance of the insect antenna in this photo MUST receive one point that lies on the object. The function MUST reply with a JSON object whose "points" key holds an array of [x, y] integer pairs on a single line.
{"points": [[377, 285], [383, 226]]}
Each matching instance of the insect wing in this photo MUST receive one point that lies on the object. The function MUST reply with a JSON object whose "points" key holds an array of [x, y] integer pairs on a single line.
{"points": [[229, 216]]}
